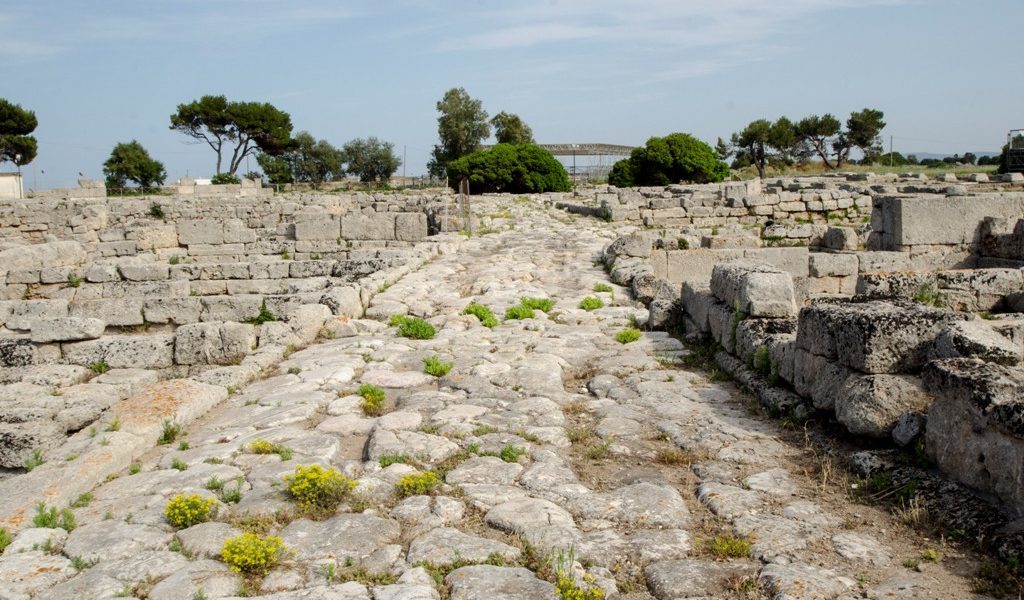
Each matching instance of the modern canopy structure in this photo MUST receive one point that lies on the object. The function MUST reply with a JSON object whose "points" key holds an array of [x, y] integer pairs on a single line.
{"points": [[589, 171]]}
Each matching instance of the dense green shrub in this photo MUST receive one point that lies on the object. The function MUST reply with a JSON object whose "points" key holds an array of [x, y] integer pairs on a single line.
{"points": [[510, 168], [543, 304], [514, 313], [671, 159], [373, 399], [416, 329], [591, 303], [224, 178], [628, 336], [433, 365]]}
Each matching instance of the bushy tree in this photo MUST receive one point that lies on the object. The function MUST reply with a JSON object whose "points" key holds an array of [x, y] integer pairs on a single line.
{"points": [[509, 128], [816, 135], [511, 168], [243, 128], [763, 142], [461, 127], [825, 137], [371, 159], [307, 160], [863, 131], [16, 123], [131, 162], [666, 160]]}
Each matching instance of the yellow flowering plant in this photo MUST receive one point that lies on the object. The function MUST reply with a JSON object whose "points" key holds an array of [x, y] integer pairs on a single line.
{"points": [[185, 511]]}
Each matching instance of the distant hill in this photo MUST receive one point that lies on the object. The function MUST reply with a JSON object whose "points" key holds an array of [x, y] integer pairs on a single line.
{"points": [[924, 155]]}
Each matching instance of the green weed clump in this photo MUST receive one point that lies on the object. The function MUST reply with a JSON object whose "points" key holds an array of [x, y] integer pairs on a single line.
{"points": [[417, 484], [482, 313], [266, 447], [603, 287], [413, 328], [99, 367], [5, 539], [628, 336], [34, 460], [728, 546], [252, 554], [318, 491], [518, 312], [511, 454], [591, 303], [264, 316], [541, 304], [386, 460], [373, 399], [51, 518], [433, 365], [185, 511], [169, 432]]}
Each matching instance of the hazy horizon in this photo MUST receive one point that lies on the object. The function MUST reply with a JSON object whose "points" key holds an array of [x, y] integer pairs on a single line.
{"points": [[601, 71]]}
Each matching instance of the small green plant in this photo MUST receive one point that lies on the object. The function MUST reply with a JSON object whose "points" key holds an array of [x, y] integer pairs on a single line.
{"points": [[930, 555], [174, 260], [373, 399], [99, 367], [114, 424], [214, 484], [541, 304], [185, 511], [284, 254], [156, 211], [134, 468], [74, 280], [511, 454], [417, 484], [603, 287], [591, 303], [628, 335], [600, 451], [184, 445], [518, 312], [5, 539], [386, 460], [482, 313], [80, 564], [728, 546], [81, 501], [232, 496], [416, 328], [265, 447], [566, 585], [762, 361], [179, 464], [252, 554], [318, 491], [682, 244], [294, 370], [433, 365], [480, 430], [929, 295], [34, 460], [51, 518], [264, 316], [169, 431]]}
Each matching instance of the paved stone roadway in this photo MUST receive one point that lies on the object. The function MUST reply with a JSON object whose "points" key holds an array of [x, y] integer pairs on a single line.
{"points": [[592, 415]]}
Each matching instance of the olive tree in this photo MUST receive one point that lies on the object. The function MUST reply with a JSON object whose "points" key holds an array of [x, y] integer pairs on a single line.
{"points": [[461, 128], [131, 162]]}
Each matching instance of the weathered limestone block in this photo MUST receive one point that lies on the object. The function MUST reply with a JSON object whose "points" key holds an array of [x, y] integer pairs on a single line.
{"points": [[873, 337], [16, 353], [975, 428], [894, 286], [38, 256], [647, 287], [230, 308], [118, 312], [310, 268], [200, 231], [633, 245], [410, 227], [224, 271], [178, 311], [755, 290], [871, 405], [376, 226], [236, 232], [751, 334], [840, 238], [825, 264], [19, 440], [20, 314], [696, 303], [156, 237], [343, 301], [144, 271], [214, 343], [625, 268], [888, 262], [65, 329], [307, 320], [977, 339], [123, 352], [989, 286], [322, 227]]}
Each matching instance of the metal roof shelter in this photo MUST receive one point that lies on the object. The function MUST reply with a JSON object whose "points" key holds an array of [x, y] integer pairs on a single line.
{"points": [[1015, 151]]}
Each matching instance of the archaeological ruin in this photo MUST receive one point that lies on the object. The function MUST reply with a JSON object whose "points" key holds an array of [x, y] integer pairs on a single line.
{"points": [[786, 388]]}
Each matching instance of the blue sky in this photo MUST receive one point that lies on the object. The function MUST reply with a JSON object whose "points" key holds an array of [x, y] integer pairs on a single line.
{"points": [[617, 71]]}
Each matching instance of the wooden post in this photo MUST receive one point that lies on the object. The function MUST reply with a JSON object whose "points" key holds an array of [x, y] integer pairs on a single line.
{"points": [[467, 213]]}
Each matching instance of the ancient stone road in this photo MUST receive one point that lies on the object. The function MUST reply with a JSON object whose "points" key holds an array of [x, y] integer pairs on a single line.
{"points": [[655, 478]]}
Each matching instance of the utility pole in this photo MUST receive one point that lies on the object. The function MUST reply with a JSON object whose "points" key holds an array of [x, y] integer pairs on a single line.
{"points": [[890, 151], [404, 147]]}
